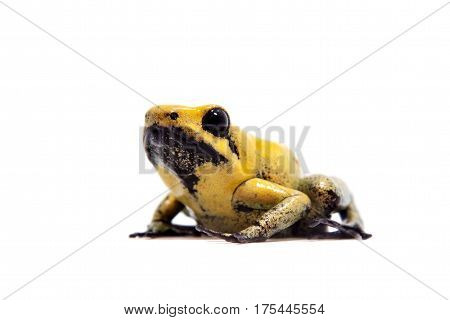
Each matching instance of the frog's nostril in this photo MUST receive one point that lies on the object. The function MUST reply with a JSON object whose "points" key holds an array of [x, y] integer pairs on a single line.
{"points": [[155, 133], [173, 115]]}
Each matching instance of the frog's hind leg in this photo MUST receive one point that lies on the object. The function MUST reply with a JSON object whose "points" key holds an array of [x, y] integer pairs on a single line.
{"points": [[350, 216], [331, 195]]}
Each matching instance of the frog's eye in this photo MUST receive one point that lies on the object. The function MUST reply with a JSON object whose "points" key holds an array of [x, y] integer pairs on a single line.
{"points": [[217, 122]]}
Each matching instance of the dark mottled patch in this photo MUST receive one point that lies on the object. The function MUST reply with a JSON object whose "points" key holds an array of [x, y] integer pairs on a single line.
{"points": [[262, 175], [179, 152], [190, 181], [330, 199]]}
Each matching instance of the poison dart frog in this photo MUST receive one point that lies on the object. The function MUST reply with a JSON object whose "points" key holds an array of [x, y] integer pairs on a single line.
{"points": [[236, 186]]}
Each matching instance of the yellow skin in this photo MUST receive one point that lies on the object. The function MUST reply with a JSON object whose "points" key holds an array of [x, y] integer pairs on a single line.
{"points": [[236, 186]]}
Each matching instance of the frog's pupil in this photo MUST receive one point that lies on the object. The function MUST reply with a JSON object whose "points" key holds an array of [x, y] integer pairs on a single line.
{"points": [[217, 122]]}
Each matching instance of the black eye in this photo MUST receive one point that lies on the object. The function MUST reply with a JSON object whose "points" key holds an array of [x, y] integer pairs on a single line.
{"points": [[217, 122]]}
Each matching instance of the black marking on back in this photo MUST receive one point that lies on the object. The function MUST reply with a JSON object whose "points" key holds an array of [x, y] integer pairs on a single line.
{"points": [[179, 152]]}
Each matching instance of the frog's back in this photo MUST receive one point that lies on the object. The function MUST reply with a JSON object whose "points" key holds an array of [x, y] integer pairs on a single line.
{"points": [[272, 161]]}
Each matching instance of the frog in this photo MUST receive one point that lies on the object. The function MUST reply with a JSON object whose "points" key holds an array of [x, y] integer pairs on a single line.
{"points": [[237, 186]]}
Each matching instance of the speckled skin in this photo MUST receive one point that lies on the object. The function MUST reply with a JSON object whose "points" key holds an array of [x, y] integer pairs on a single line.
{"points": [[236, 186]]}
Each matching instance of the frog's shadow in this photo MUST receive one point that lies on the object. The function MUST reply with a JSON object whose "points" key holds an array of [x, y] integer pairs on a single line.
{"points": [[221, 241]]}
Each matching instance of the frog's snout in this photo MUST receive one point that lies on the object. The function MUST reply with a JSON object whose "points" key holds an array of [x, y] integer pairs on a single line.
{"points": [[163, 115], [154, 135], [154, 141], [150, 117]]}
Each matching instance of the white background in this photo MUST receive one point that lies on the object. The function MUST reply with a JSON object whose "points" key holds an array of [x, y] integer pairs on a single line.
{"points": [[69, 164]]}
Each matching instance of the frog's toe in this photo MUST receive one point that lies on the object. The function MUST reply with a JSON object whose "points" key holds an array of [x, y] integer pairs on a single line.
{"points": [[346, 230], [230, 237], [174, 231], [211, 233], [146, 234], [222, 235], [241, 238], [152, 234]]}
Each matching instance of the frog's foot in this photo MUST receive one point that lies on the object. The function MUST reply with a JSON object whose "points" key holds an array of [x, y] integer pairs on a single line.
{"points": [[237, 237], [168, 230], [343, 231]]}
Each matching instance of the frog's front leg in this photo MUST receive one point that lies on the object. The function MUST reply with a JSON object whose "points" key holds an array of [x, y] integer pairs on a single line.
{"points": [[161, 224], [280, 208]]}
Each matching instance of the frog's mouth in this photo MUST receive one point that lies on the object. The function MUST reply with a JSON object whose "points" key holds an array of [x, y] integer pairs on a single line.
{"points": [[179, 152]]}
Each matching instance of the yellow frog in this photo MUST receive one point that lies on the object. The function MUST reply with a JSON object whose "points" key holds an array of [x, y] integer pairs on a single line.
{"points": [[236, 186]]}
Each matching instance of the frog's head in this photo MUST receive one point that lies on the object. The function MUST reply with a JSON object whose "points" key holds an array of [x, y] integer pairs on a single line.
{"points": [[181, 139]]}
